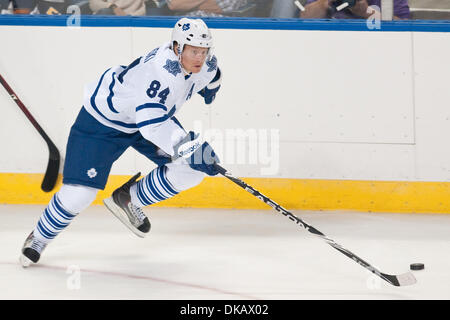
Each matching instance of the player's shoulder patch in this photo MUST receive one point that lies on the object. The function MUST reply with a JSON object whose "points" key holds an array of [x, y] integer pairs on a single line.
{"points": [[212, 64], [172, 66]]}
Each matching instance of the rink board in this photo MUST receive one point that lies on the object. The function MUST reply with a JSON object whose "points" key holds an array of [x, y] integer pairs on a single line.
{"points": [[305, 194], [368, 134]]}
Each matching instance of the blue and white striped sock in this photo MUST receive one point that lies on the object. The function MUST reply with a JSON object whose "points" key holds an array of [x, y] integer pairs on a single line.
{"points": [[52, 221], [152, 188]]}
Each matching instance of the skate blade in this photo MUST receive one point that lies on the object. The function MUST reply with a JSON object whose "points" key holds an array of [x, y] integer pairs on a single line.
{"points": [[118, 213], [24, 261]]}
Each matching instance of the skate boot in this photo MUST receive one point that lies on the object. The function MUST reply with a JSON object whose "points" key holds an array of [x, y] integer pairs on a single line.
{"points": [[130, 215], [31, 250]]}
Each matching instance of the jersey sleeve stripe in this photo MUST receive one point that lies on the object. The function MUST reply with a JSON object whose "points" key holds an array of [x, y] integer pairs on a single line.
{"points": [[94, 106], [151, 105], [111, 94], [157, 120], [177, 122], [172, 111], [124, 72], [152, 121], [98, 87]]}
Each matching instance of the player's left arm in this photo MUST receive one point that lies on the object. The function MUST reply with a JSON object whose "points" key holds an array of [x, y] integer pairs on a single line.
{"points": [[209, 92]]}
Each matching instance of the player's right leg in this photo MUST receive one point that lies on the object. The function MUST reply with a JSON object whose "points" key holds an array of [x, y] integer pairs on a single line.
{"points": [[62, 209], [91, 150]]}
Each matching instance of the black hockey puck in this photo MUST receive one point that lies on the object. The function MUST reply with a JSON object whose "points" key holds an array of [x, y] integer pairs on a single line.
{"points": [[417, 266]]}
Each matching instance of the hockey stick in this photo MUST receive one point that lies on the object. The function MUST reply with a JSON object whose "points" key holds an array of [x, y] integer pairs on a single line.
{"points": [[396, 280], [51, 174]]}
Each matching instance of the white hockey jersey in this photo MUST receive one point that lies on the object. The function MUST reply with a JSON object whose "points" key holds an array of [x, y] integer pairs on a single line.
{"points": [[146, 95]]}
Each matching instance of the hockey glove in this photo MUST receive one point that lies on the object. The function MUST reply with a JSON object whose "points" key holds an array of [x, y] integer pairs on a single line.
{"points": [[209, 92], [200, 156]]}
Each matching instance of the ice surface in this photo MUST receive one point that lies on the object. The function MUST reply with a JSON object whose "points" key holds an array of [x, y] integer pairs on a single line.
{"points": [[226, 254]]}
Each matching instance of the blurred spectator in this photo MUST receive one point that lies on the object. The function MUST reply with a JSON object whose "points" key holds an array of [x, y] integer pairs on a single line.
{"points": [[319, 9], [214, 8], [118, 7], [19, 6], [52, 7], [262, 8], [285, 9], [430, 9], [157, 8], [4, 5], [49, 7]]}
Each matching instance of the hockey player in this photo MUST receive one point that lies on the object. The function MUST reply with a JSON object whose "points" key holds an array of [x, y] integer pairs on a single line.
{"points": [[134, 106]]}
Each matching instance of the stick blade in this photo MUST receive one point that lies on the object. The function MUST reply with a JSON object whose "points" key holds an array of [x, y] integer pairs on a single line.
{"points": [[51, 174], [405, 279]]}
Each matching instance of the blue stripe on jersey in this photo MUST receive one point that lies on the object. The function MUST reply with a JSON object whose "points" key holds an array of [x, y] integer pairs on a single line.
{"points": [[94, 106], [172, 111], [96, 91], [152, 121], [155, 120], [124, 72], [111, 94], [177, 122], [151, 105]]}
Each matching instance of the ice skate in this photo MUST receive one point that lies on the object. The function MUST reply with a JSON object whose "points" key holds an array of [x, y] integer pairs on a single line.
{"points": [[130, 215], [31, 250]]}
